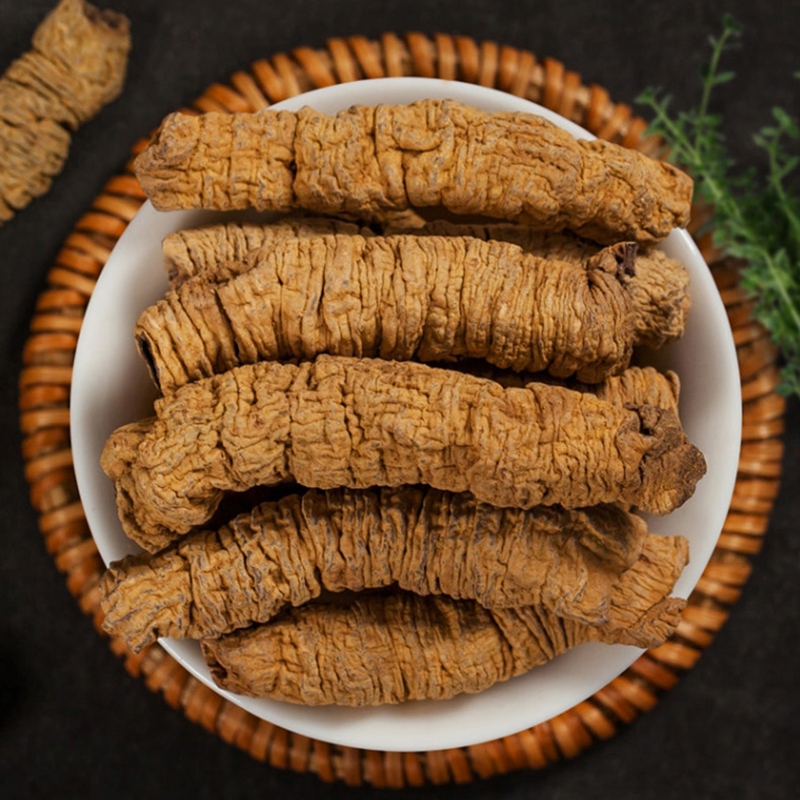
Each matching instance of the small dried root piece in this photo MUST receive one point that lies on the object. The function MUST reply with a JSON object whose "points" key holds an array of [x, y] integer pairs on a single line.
{"points": [[423, 540], [636, 386], [394, 648], [218, 252], [658, 285], [359, 423], [369, 160], [402, 297], [76, 66]]}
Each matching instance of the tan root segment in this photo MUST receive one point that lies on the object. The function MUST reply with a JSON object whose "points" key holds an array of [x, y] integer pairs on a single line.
{"points": [[218, 252], [658, 285], [368, 160], [423, 540], [357, 423], [400, 297], [76, 66], [390, 649], [637, 386]]}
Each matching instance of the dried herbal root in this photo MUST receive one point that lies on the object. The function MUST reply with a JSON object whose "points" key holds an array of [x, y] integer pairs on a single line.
{"points": [[423, 540], [218, 252], [658, 285], [400, 298], [637, 386], [393, 648], [362, 422], [75, 67], [369, 160]]}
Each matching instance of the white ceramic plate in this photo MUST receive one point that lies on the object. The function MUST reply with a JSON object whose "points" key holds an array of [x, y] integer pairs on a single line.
{"points": [[111, 387]]}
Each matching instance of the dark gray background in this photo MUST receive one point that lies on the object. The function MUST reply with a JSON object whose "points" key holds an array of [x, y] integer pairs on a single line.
{"points": [[74, 724]]}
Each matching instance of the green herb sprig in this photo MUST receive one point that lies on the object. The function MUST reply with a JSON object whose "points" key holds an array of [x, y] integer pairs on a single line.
{"points": [[755, 216]]}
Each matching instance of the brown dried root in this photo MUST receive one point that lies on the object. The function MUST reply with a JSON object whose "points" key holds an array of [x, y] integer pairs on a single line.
{"points": [[218, 252], [75, 67], [390, 649], [423, 540], [367, 160], [658, 285], [361, 422], [400, 297], [636, 386]]}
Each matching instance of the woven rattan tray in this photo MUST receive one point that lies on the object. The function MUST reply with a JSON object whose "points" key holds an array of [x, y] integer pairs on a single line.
{"points": [[44, 417]]}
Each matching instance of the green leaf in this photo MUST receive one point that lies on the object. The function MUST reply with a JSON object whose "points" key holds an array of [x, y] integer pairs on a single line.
{"points": [[786, 123], [731, 25], [790, 165], [724, 77], [648, 97]]}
